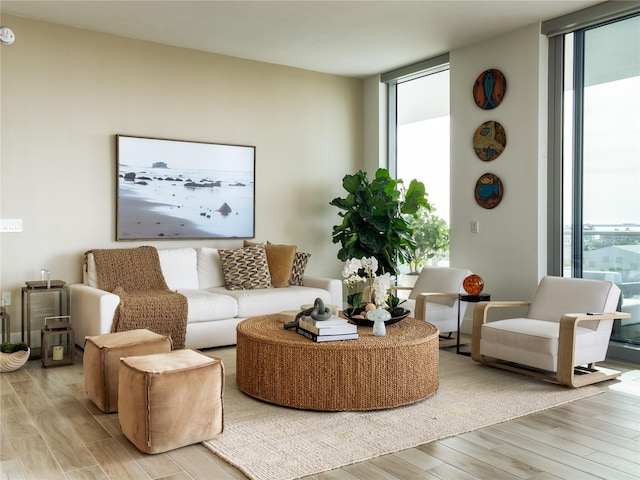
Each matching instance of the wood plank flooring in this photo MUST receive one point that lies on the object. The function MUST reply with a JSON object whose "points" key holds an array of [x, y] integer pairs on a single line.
{"points": [[51, 430]]}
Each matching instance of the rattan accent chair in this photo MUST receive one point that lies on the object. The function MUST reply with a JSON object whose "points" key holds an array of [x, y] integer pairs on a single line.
{"points": [[435, 296], [564, 332]]}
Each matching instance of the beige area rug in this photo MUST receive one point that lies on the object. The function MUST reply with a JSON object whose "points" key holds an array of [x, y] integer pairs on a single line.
{"points": [[268, 442]]}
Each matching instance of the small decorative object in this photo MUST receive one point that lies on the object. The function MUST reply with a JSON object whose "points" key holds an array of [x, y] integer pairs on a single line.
{"points": [[13, 356], [317, 311], [489, 89], [57, 340], [489, 140], [473, 285], [378, 316], [46, 275], [58, 352], [489, 191]]}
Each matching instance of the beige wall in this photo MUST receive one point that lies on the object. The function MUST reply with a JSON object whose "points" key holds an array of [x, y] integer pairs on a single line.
{"points": [[66, 92]]}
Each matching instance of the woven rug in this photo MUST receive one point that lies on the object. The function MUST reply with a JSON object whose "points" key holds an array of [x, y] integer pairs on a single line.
{"points": [[268, 442]]}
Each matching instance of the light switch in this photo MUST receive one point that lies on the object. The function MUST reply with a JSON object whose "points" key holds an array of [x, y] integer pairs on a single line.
{"points": [[11, 225], [475, 226]]}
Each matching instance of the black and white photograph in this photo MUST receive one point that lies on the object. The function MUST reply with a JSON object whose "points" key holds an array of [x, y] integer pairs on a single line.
{"points": [[174, 189]]}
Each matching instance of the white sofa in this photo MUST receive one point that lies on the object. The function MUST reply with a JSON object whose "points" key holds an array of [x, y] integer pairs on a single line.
{"points": [[214, 312]]}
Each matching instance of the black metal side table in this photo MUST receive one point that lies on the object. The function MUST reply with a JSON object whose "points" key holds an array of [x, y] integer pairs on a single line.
{"points": [[483, 297]]}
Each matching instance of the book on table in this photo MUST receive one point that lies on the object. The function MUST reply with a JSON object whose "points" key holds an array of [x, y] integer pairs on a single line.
{"points": [[320, 327], [333, 321], [326, 338]]}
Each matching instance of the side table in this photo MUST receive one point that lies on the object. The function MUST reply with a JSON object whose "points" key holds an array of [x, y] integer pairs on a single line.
{"points": [[40, 302], [483, 297]]}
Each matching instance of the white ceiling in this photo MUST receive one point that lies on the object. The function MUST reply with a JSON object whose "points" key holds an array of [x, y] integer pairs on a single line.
{"points": [[351, 38]]}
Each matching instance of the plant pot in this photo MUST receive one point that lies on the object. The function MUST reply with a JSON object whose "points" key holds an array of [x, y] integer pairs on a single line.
{"points": [[13, 361]]}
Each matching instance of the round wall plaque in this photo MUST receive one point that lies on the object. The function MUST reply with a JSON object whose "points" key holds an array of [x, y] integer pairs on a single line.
{"points": [[489, 191], [489, 89], [489, 140]]}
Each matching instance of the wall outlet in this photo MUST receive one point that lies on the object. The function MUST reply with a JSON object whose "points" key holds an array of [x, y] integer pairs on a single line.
{"points": [[6, 299], [10, 225]]}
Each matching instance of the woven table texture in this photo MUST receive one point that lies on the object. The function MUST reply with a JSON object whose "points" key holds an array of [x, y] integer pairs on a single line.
{"points": [[282, 367]]}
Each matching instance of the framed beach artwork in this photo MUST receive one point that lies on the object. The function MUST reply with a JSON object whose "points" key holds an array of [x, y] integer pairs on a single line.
{"points": [[176, 189]]}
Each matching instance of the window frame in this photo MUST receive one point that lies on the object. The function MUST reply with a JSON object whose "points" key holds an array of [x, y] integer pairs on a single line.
{"points": [[392, 79], [555, 29]]}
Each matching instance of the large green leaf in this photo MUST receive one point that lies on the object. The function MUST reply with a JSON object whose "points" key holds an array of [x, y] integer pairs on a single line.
{"points": [[415, 197], [352, 182]]}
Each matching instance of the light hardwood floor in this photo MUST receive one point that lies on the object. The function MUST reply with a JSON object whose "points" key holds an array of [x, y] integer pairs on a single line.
{"points": [[50, 430]]}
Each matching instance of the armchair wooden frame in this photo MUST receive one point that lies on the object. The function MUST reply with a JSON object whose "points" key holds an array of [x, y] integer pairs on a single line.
{"points": [[566, 373]]}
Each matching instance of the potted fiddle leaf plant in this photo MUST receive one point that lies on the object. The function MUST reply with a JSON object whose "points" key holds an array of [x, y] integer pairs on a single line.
{"points": [[375, 218]]}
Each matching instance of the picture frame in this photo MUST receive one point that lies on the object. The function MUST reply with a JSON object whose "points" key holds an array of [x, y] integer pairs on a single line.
{"points": [[183, 190]]}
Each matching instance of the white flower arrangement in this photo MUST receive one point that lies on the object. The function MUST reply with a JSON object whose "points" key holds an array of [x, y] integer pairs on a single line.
{"points": [[363, 271]]}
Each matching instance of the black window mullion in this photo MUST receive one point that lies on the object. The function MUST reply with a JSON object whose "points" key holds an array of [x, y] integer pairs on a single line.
{"points": [[578, 152]]}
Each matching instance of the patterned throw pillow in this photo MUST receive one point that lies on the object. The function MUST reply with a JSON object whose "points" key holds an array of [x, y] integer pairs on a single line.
{"points": [[299, 265], [245, 268]]}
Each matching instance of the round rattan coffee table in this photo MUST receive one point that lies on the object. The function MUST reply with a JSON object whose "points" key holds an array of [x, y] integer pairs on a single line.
{"points": [[282, 367]]}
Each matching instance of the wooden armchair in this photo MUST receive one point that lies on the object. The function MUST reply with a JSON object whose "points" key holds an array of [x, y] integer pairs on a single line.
{"points": [[564, 333]]}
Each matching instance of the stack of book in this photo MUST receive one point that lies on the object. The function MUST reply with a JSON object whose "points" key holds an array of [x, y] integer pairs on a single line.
{"points": [[330, 330]]}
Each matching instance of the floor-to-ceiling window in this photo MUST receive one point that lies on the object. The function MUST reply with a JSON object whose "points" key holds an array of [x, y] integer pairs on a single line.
{"points": [[423, 148], [596, 152], [419, 148]]}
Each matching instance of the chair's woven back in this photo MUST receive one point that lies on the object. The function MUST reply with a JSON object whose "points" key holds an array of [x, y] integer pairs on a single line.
{"points": [[556, 296]]}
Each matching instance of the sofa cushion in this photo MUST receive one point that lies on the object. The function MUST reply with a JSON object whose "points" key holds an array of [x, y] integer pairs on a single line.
{"points": [[89, 275], [179, 267], [205, 305], [280, 259], [252, 303], [299, 266], [533, 342], [245, 268], [209, 268]]}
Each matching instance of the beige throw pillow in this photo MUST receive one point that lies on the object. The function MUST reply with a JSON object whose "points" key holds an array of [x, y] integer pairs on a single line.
{"points": [[280, 259]]}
